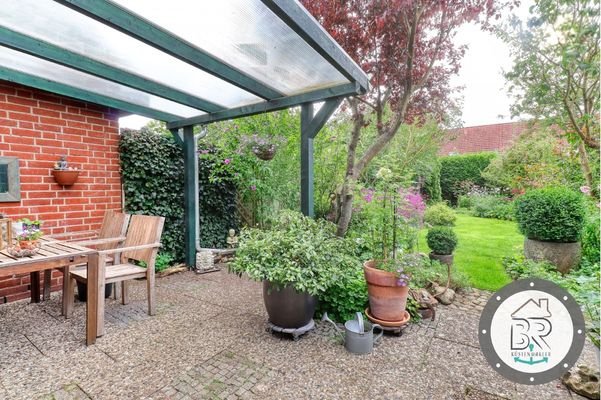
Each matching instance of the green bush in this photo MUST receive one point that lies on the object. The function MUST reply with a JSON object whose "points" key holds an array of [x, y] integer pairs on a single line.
{"points": [[455, 170], [492, 206], [441, 240], [582, 283], [590, 239], [297, 251], [346, 295], [551, 214], [431, 189], [440, 214], [464, 201], [424, 272], [152, 169]]}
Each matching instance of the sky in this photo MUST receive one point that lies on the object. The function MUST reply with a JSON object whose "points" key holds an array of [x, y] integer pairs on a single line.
{"points": [[485, 99]]}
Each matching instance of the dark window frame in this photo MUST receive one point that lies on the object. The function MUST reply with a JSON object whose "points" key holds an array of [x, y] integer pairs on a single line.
{"points": [[14, 186]]}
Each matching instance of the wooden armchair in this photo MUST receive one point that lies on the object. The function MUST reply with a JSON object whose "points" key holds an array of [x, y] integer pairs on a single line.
{"points": [[141, 244], [111, 232]]}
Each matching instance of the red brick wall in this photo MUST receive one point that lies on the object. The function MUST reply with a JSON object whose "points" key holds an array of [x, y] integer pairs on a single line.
{"points": [[39, 127], [473, 139]]}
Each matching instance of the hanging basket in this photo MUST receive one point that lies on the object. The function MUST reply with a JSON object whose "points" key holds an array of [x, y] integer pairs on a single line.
{"points": [[65, 177], [265, 154]]}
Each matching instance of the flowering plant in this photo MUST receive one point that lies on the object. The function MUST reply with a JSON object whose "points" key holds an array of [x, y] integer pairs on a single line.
{"points": [[260, 145], [30, 230], [389, 219]]}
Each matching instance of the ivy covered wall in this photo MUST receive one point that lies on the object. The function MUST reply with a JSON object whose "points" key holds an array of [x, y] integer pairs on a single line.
{"points": [[152, 170]]}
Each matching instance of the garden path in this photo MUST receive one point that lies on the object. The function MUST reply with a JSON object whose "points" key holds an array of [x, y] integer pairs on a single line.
{"points": [[208, 340]]}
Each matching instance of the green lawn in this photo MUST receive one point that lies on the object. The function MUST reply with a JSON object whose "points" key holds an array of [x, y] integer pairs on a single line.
{"points": [[482, 245]]}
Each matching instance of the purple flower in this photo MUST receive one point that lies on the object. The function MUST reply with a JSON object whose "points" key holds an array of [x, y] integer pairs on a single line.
{"points": [[585, 189], [253, 187], [227, 161], [369, 195]]}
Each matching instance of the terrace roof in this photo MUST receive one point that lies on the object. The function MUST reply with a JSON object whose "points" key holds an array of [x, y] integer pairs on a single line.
{"points": [[180, 61]]}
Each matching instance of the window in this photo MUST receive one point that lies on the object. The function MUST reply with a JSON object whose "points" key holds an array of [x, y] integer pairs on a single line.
{"points": [[9, 180]]}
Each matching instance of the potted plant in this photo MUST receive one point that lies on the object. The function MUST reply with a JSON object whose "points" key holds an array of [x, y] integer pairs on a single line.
{"points": [[552, 220], [63, 174], [442, 241], [29, 234], [296, 259], [390, 215]]}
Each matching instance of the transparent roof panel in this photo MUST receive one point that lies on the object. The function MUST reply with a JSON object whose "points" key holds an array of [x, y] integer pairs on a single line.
{"points": [[51, 22], [57, 73], [244, 34]]}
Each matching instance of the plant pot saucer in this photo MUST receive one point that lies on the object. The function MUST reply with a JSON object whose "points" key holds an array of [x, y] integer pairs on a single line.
{"points": [[388, 324]]}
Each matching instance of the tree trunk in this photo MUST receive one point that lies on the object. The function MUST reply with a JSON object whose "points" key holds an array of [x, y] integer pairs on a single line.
{"points": [[585, 165], [346, 205]]}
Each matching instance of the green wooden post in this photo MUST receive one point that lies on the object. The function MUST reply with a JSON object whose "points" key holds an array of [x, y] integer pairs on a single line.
{"points": [[311, 124], [306, 161], [190, 186]]}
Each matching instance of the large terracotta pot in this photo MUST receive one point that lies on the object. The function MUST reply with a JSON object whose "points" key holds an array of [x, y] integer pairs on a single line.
{"points": [[288, 308], [387, 300], [564, 256]]}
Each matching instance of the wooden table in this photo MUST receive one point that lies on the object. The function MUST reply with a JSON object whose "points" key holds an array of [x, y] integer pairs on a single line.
{"points": [[55, 254]]}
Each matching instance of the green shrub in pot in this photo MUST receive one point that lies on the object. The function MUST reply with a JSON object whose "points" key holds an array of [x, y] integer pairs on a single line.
{"points": [[297, 252], [440, 214], [551, 215], [441, 240]]}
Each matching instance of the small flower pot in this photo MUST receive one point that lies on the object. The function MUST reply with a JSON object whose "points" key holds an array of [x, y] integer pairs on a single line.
{"points": [[65, 177], [442, 258], [29, 244]]}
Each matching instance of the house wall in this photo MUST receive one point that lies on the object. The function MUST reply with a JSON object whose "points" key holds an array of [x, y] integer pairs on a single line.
{"points": [[38, 127]]}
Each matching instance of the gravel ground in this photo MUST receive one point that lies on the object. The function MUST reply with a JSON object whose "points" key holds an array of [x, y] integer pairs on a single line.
{"points": [[208, 341]]}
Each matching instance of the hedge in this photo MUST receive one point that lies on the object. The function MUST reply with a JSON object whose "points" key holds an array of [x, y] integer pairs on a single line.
{"points": [[431, 187], [152, 170], [463, 168]]}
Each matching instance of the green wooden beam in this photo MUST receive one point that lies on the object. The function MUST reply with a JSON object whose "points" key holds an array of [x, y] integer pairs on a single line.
{"points": [[311, 124], [80, 94], [131, 24], [348, 89], [306, 162], [190, 186], [304, 25], [312, 127], [177, 136], [82, 63]]}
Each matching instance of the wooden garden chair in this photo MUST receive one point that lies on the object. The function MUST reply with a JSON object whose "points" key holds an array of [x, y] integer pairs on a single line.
{"points": [[111, 232], [141, 244]]}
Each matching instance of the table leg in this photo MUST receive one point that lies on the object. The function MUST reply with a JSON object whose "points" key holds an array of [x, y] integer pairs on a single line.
{"points": [[34, 283], [68, 296], [101, 284], [92, 302], [47, 284]]}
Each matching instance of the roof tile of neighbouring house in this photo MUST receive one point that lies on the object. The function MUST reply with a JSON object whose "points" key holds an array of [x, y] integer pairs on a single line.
{"points": [[472, 139]]}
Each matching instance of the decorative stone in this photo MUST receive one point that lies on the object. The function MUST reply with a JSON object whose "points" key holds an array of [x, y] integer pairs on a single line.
{"points": [[563, 255], [583, 380], [446, 297], [423, 298]]}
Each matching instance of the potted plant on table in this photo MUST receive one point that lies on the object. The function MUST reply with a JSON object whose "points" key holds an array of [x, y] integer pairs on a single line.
{"points": [[29, 234], [297, 259]]}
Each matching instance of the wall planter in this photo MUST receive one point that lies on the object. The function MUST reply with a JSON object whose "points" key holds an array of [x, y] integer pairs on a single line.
{"points": [[564, 256], [65, 177]]}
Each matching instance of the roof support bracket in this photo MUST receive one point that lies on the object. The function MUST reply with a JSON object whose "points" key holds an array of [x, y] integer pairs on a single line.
{"points": [[311, 124]]}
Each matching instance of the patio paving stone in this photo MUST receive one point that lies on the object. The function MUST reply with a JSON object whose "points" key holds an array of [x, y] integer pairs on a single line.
{"points": [[209, 340]]}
